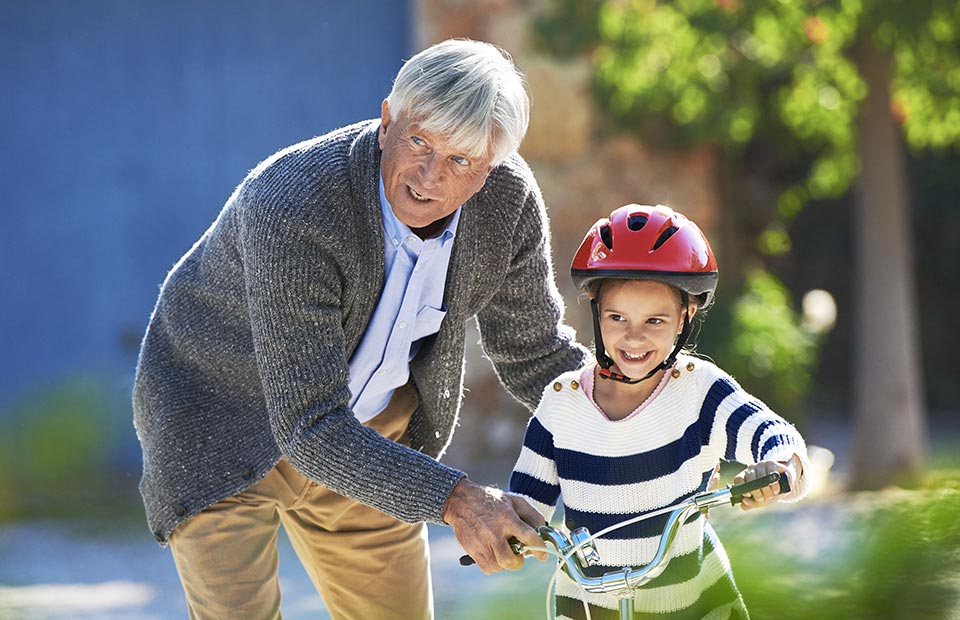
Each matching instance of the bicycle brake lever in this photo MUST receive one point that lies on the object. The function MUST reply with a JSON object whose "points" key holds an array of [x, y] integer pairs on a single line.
{"points": [[516, 545]]}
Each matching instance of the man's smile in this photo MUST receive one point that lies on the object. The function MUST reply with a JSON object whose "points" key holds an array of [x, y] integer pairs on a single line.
{"points": [[417, 195]]}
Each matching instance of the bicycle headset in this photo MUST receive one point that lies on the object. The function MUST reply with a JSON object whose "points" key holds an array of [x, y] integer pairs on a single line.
{"points": [[648, 243]]}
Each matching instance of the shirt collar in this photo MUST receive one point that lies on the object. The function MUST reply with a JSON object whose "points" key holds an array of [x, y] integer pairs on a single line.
{"points": [[397, 232]]}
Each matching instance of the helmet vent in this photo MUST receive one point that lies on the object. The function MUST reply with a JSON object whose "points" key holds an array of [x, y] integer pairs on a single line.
{"points": [[606, 235], [636, 221], [664, 236]]}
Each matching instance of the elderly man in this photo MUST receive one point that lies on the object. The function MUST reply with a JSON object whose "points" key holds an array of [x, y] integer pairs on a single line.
{"points": [[304, 362]]}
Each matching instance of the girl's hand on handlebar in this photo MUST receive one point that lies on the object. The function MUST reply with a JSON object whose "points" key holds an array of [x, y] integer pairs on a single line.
{"points": [[769, 494]]}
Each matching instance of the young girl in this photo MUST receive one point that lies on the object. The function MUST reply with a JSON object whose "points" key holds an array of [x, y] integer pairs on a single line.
{"points": [[646, 425]]}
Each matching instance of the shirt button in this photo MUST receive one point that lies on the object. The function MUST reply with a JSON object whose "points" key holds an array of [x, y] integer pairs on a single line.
{"points": [[180, 510], [247, 473], [402, 325]]}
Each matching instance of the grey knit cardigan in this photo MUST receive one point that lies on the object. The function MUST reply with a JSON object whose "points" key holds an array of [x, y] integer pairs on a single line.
{"points": [[245, 359]]}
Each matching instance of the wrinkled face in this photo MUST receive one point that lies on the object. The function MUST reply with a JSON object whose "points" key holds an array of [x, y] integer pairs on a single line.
{"points": [[424, 178], [639, 323]]}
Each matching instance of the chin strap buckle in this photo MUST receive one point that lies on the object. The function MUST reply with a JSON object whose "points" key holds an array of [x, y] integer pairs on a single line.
{"points": [[606, 373]]}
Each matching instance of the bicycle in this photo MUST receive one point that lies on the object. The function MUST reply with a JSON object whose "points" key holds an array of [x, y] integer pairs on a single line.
{"points": [[577, 552]]}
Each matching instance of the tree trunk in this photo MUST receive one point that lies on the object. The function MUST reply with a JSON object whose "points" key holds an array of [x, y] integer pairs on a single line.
{"points": [[890, 427]]}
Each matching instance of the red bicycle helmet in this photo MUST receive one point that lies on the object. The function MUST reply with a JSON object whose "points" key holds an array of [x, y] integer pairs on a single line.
{"points": [[652, 243], [649, 243]]}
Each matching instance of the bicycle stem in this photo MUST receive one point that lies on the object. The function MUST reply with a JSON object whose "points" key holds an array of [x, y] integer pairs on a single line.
{"points": [[626, 579]]}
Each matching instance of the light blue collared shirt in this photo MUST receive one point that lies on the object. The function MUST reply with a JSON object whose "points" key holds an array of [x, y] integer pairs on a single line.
{"points": [[410, 308]]}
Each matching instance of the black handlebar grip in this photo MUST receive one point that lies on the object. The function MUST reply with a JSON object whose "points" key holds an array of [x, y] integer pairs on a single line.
{"points": [[737, 491]]}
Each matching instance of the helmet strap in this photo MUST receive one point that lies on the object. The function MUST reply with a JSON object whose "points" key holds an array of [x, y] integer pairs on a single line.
{"points": [[606, 362], [602, 358]]}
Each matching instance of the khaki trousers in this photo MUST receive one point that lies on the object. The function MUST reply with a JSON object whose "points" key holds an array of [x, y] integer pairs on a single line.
{"points": [[365, 564]]}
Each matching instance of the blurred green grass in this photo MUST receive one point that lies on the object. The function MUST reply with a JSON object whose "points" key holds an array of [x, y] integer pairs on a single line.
{"points": [[890, 554]]}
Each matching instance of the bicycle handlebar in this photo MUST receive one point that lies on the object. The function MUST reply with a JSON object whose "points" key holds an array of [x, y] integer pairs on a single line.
{"points": [[578, 549]]}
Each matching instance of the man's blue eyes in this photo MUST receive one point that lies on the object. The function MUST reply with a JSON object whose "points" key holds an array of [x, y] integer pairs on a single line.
{"points": [[460, 161]]}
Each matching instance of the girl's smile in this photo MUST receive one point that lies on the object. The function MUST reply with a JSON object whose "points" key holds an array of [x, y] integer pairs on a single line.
{"points": [[639, 357]]}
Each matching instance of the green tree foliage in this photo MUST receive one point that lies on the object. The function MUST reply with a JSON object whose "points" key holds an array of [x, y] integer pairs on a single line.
{"points": [[769, 341], [774, 77], [731, 72]]}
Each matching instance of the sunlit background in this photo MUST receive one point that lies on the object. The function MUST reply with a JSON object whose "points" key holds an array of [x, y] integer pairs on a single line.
{"points": [[814, 141]]}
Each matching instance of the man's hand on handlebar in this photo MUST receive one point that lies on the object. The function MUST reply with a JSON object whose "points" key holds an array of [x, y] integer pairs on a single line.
{"points": [[484, 519], [792, 469]]}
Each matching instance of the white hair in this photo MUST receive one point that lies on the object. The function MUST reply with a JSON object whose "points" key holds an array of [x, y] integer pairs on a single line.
{"points": [[468, 91]]}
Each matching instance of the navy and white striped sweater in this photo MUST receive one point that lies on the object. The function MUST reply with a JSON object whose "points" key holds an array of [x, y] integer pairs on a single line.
{"points": [[664, 452]]}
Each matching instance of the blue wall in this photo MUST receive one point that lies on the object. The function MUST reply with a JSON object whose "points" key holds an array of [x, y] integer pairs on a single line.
{"points": [[125, 125]]}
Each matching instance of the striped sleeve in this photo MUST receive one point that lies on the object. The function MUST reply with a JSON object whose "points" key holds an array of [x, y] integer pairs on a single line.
{"points": [[535, 475], [749, 432]]}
